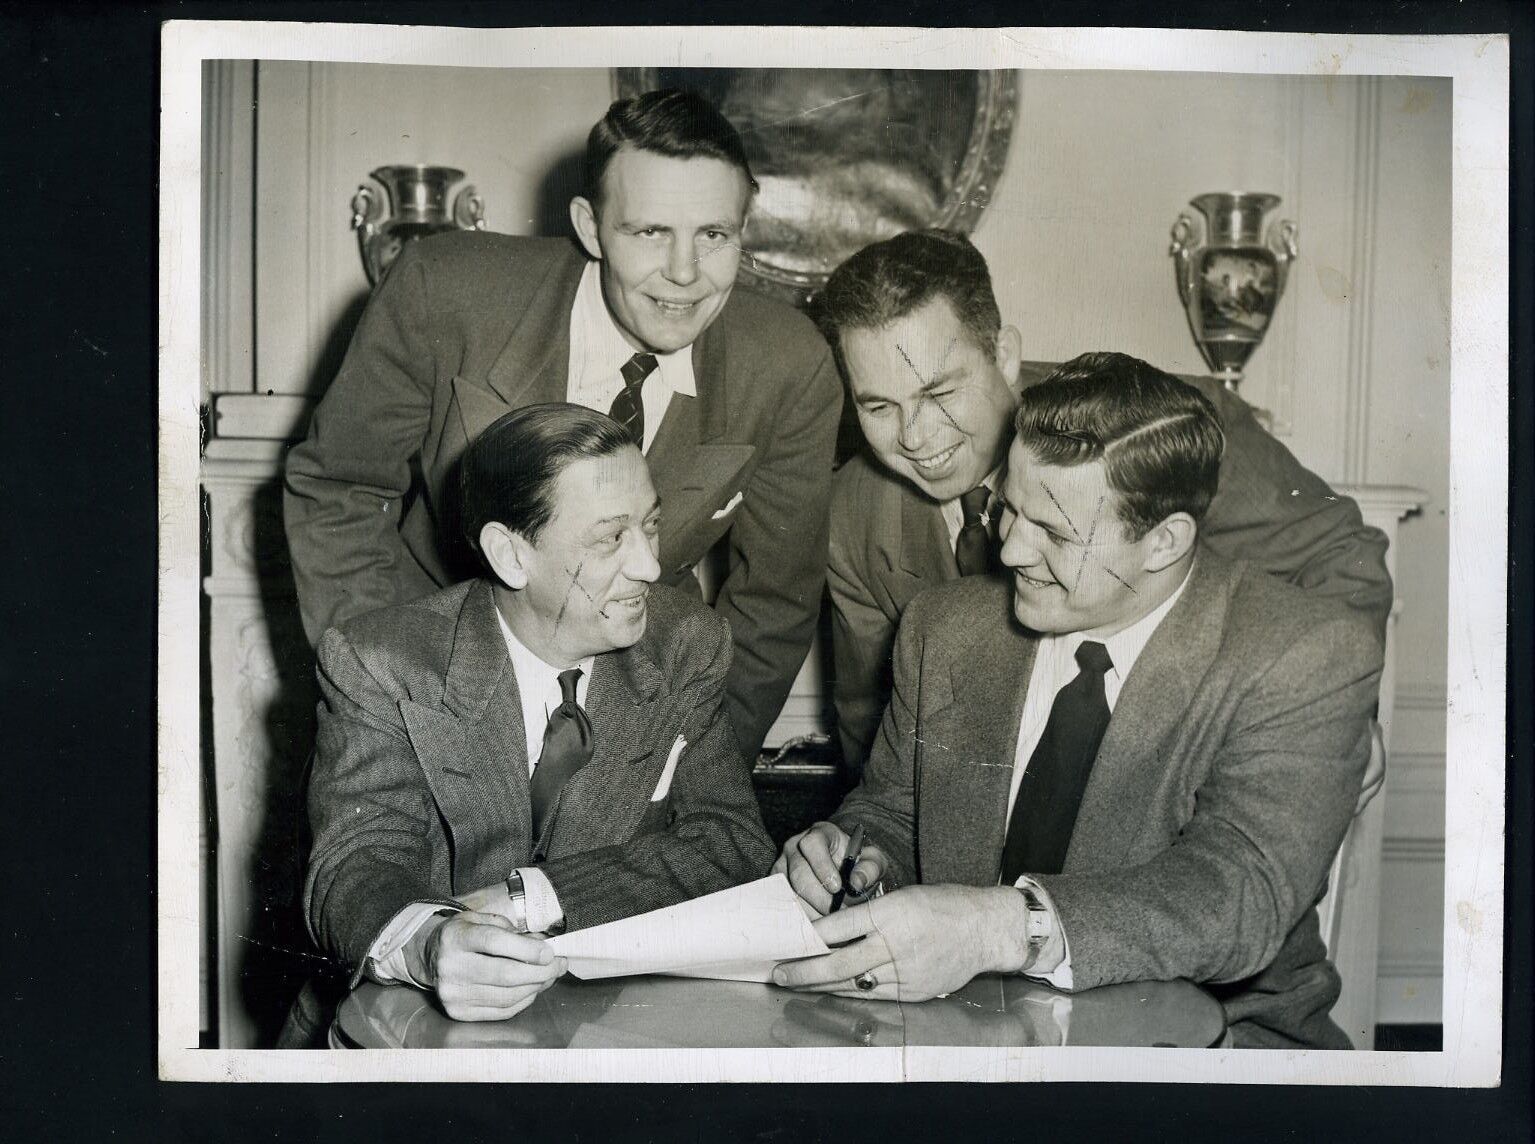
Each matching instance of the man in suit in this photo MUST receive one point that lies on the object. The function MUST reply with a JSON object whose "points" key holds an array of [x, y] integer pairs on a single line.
{"points": [[541, 748], [733, 397], [1133, 762], [935, 377]]}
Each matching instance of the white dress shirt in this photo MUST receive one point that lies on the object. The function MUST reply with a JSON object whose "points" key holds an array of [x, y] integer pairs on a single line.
{"points": [[538, 689], [1055, 665], [598, 351], [954, 513]]}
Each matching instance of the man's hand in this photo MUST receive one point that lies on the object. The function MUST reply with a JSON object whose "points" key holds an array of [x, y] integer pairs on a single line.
{"points": [[918, 942], [813, 862], [481, 969]]}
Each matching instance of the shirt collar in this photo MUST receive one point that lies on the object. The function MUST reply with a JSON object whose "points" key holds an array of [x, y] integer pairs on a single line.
{"points": [[593, 328], [1125, 647], [527, 666]]}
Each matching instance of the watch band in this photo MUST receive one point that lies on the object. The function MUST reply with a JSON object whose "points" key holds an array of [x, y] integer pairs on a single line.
{"points": [[1041, 925], [519, 899]]}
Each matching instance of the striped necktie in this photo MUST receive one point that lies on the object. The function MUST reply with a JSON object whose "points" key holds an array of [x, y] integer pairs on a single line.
{"points": [[628, 409]]}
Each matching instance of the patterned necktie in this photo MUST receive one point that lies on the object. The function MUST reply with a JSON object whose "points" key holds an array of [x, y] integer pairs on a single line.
{"points": [[973, 547], [628, 410], [567, 748], [1051, 792]]}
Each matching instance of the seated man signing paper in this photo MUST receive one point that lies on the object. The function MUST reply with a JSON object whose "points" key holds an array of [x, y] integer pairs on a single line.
{"points": [[540, 749], [1135, 761]]}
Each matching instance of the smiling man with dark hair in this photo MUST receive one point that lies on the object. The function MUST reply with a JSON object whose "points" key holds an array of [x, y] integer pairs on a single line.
{"points": [[1133, 759], [543, 747], [935, 376]]}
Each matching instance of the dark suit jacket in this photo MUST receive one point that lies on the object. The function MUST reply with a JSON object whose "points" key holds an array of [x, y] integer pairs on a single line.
{"points": [[1222, 790], [468, 326], [420, 782], [888, 542]]}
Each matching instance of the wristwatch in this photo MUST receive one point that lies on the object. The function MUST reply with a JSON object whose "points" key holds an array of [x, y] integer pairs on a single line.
{"points": [[1041, 925], [519, 897]]}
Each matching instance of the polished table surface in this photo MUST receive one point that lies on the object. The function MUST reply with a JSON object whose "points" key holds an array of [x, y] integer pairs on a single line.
{"points": [[673, 1012]]}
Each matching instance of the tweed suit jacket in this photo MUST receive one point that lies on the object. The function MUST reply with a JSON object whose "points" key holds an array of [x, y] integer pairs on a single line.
{"points": [[888, 542], [468, 326], [1222, 789], [420, 787]]}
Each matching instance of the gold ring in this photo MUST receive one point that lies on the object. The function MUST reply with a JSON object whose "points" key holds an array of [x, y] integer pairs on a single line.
{"points": [[866, 982]]}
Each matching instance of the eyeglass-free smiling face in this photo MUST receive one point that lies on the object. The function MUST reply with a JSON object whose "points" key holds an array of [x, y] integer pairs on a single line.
{"points": [[582, 587], [668, 234], [934, 406]]}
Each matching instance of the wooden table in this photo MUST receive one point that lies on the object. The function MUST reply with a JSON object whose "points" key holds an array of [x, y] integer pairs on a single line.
{"points": [[672, 1012]]}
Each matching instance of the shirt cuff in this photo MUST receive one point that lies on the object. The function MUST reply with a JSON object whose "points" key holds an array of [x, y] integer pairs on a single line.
{"points": [[544, 909], [1060, 976], [388, 950]]}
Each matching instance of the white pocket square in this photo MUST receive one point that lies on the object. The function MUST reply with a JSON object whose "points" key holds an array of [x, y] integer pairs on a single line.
{"points": [[663, 788], [729, 507]]}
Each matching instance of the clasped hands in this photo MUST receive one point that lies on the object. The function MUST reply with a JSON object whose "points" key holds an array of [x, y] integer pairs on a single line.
{"points": [[479, 966], [912, 944]]}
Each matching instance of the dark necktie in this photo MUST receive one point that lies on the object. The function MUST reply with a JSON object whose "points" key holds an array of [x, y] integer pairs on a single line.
{"points": [[567, 748], [973, 547], [628, 410], [1051, 792]]}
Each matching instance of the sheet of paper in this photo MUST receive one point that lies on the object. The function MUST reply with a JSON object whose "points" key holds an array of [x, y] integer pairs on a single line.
{"points": [[737, 934]]}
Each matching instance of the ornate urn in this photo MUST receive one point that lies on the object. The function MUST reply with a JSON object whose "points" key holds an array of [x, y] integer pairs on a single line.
{"points": [[418, 206], [1231, 272]]}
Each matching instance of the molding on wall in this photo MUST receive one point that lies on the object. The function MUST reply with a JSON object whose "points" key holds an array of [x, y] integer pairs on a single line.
{"points": [[1422, 697], [1362, 286], [1402, 849], [1280, 377], [321, 212], [228, 147]]}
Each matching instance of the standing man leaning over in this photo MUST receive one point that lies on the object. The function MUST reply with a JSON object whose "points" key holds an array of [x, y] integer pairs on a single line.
{"points": [[541, 748], [936, 377], [1134, 761], [732, 397]]}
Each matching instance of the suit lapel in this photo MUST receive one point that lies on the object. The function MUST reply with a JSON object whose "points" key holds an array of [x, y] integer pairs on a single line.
{"points": [[474, 750], [968, 746], [696, 473], [533, 364], [1153, 704], [925, 549]]}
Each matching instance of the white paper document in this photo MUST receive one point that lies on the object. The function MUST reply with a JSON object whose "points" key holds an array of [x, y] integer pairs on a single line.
{"points": [[738, 934]]}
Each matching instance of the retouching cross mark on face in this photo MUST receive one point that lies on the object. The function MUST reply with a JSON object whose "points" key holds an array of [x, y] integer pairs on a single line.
{"points": [[1086, 542], [1092, 530], [924, 394], [575, 582]]}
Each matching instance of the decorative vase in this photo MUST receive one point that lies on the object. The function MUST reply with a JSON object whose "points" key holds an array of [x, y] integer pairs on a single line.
{"points": [[418, 206], [1231, 273]]}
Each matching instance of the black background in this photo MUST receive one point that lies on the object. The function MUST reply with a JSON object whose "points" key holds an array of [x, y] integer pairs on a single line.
{"points": [[79, 94]]}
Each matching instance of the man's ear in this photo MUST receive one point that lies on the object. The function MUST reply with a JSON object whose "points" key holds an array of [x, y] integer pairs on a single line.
{"points": [[1169, 542], [1009, 353], [583, 216], [506, 553]]}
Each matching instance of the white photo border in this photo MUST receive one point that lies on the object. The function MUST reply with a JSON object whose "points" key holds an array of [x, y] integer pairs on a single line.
{"points": [[1475, 734]]}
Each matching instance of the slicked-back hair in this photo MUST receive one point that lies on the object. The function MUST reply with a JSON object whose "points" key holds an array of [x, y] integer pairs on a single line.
{"points": [[677, 124], [508, 473], [1160, 439], [888, 280]]}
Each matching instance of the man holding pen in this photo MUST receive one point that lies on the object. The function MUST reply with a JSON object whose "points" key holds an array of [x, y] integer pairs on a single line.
{"points": [[1132, 760]]}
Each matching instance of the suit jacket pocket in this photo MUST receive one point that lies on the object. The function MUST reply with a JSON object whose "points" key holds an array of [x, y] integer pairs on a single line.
{"points": [[716, 474]]}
